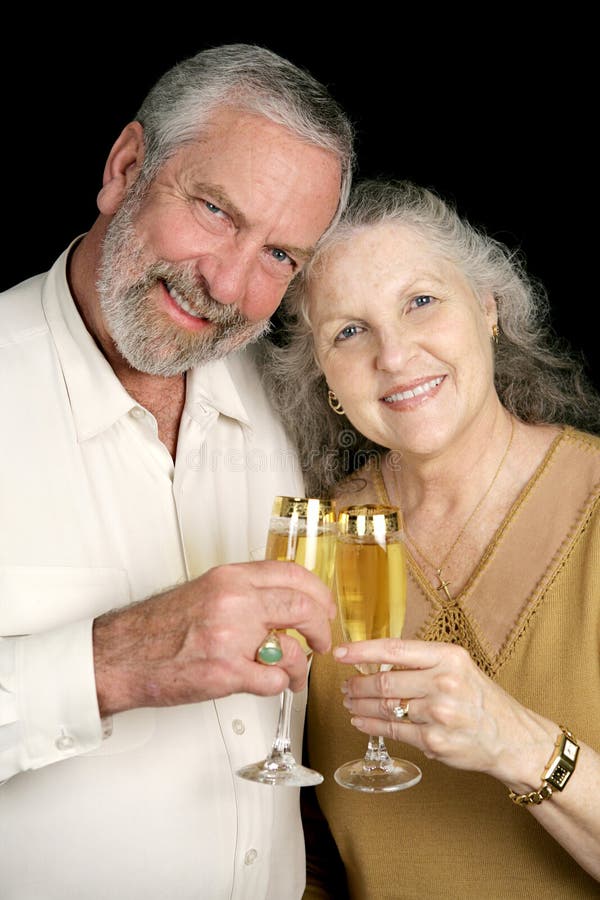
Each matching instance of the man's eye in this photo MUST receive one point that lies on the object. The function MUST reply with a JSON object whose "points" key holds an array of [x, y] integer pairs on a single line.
{"points": [[212, 208], [348, 332], [281, 255]]}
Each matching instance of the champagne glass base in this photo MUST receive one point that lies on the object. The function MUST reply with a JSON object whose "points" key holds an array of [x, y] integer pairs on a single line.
{"points": [[395, 775], [280, 774]]}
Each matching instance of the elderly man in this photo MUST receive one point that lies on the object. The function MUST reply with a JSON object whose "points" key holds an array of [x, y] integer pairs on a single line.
{"points": [[139, 464]]}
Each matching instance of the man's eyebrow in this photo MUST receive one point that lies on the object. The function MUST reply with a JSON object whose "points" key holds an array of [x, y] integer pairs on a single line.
{"points": [[303, 254], [221, 199]]}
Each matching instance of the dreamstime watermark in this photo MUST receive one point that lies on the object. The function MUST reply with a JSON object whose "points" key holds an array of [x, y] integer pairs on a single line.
{"points": [[254, 459], [394, 460], [347, 457]]}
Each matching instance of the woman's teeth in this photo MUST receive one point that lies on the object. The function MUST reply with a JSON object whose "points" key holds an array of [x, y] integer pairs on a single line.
{"points": [[414, 392]]}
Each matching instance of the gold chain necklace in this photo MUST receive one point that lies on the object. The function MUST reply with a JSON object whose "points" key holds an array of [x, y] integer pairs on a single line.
{"points": [[443, 585]]}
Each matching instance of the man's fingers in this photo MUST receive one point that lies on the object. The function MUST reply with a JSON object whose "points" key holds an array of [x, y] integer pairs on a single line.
{"points": [[292, 577], [224, 676], [271, 594], [286, 607], [302, 617], [247, 677]]}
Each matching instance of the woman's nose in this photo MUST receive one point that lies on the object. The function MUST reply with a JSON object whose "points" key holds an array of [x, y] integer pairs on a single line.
{"points": [[393, 349]]}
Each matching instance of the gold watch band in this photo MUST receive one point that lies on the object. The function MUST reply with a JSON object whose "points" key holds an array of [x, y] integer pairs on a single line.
{"points": [[559, 769]]}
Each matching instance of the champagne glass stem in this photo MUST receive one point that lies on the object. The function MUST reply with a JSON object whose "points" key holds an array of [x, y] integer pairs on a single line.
{"points": [[280, 766], [282, 743], [377, 756], [301, 530]]}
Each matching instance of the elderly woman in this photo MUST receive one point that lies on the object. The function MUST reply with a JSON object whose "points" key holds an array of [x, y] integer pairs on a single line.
{"points": [[450, 399]]}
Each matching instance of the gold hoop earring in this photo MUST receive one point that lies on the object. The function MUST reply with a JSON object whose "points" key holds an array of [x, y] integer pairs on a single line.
{"points": [[495, 333], [335, 403]]}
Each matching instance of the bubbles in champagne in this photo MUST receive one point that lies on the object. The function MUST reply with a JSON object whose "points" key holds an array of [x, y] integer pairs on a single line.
{"points": [[371, 588], [314, 550]]}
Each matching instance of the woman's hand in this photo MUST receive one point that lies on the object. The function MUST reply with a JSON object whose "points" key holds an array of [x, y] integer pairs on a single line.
{"points": [[457, 714]]}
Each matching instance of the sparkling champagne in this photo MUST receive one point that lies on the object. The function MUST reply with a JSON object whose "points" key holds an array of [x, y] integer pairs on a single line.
{"points": [[371, 589], [315, 551], [370, 569]]}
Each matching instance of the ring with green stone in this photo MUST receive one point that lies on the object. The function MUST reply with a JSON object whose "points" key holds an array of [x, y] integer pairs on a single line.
{"points": [[269, 653]]}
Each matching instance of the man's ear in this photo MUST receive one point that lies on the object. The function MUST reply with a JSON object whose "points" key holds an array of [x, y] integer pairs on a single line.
{"points": [[122, 168]]}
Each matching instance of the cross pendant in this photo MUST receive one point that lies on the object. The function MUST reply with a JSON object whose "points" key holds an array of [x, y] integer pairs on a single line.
{"points": [[443, 585]]}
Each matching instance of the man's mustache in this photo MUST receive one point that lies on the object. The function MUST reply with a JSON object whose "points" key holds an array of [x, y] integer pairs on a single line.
{"points": [[192, 288]]}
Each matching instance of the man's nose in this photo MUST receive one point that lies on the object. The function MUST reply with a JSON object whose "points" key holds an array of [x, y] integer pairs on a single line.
{"points": [[226, 275]]}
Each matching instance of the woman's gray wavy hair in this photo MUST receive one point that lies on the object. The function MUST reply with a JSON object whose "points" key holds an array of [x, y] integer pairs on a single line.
{"points": [[537, 378], [250, 78]]}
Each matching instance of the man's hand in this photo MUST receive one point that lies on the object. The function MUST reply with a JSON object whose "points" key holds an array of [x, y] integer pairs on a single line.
{"points": [[199, 641]]}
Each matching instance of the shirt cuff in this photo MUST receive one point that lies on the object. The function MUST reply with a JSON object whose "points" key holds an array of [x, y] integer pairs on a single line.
{"points": [[56, 695]]}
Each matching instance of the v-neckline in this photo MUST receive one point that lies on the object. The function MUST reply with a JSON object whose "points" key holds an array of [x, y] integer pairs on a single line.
{"points": [[526, 550]]}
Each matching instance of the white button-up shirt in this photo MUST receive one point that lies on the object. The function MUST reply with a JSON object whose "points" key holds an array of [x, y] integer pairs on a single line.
{"points": [[94, 514]]}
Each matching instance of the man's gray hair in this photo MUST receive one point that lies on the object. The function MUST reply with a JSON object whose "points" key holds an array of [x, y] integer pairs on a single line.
{"points": [[251, 78]]}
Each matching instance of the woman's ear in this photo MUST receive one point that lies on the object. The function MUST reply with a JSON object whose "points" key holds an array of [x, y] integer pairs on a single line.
{"points": [[122, 168], [490, 309]]}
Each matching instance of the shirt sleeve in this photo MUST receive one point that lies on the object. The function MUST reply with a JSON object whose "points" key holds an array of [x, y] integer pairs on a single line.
{"points": [[48, 704]]}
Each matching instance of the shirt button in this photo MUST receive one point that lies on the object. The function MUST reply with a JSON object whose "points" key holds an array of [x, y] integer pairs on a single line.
{"points": [[137, 412], [238, 726], [64, 742], [250, 857], [106, 724]]}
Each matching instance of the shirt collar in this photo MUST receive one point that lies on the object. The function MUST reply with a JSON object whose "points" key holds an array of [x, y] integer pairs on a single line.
{"points": [[216, 385], [97, 397]]}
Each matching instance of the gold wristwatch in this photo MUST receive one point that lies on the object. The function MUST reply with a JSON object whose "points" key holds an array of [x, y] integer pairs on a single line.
{"points": [[561, 766]]}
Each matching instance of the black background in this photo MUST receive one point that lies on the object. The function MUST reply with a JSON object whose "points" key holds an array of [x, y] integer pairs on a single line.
{"points": [[497, 118]]}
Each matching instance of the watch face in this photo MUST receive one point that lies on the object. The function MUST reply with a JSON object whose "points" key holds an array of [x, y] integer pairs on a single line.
{"points": [[570, 750]]}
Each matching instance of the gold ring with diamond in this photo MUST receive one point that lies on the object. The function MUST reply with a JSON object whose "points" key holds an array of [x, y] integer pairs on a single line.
{"points": [[401, 712]]}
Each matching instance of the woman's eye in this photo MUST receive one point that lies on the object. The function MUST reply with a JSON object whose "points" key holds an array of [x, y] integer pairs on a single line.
{"points": [[348, 332], [421, 301]]}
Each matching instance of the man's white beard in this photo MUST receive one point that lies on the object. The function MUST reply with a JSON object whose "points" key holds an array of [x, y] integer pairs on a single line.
{"points": [[147, 338]]}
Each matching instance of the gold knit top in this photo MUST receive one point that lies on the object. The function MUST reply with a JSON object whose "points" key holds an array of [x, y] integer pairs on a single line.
{"points": [[530, 617]]}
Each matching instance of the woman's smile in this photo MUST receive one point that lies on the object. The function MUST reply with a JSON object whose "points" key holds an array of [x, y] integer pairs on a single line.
{"points": [[420, 391]]}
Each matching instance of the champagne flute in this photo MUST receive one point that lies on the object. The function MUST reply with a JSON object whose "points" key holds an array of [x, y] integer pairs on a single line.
{"points": [[370, 571], [301, 530]]}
